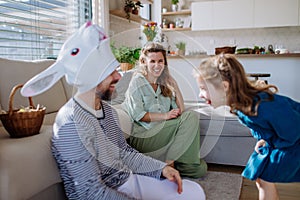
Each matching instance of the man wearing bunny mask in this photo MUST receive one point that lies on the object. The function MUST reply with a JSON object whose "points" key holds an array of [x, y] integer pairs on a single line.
{"points": [[93, 157]]}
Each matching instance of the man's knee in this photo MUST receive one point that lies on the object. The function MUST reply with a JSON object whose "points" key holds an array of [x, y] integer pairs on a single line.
{"points": [[191, 187]]}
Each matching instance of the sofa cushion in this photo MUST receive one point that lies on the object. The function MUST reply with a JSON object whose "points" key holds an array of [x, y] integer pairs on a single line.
{"points": [[27, 165], [220, 121], [222, 135], [126, 124], [15, 72], [121, 88]]}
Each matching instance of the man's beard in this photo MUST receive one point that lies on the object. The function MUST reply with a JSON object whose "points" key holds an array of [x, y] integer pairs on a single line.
{"points": [[107, 95]]}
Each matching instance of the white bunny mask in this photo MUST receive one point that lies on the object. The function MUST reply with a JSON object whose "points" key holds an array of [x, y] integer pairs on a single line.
{"points": [[85, 60]]}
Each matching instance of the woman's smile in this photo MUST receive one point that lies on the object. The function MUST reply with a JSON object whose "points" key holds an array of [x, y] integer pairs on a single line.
{"points": [[156, 63]]}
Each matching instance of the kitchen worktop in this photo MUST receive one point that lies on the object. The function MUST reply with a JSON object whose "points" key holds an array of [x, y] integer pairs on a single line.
{"points": [[243, 56], [284, 70]]}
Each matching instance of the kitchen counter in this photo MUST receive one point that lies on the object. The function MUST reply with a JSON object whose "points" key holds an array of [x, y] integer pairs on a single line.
{"points": [[287, 55], [284, 70]]}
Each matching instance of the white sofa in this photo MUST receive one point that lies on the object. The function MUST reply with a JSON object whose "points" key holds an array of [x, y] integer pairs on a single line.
{"points": [[27, 168]]}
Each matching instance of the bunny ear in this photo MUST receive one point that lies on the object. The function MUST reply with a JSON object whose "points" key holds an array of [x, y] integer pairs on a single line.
{"points": [[43, 81]]}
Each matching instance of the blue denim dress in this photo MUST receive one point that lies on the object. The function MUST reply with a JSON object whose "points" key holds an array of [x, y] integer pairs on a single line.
{"points": [[278, 123]]}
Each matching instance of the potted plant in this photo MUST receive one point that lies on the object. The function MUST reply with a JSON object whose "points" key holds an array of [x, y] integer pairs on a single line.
{"points": [[126, 56], [132, 7], [137, 6], [181, 48], [174, 5]]}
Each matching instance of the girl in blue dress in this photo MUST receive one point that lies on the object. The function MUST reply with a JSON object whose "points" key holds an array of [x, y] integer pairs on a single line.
{"points": [[274, 120]]}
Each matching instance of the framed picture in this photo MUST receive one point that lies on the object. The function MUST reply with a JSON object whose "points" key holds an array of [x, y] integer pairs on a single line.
{"points": [[187, 22]]}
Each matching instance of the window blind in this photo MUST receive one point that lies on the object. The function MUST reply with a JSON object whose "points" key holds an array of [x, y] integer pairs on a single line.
{"points": [[36, 29]]}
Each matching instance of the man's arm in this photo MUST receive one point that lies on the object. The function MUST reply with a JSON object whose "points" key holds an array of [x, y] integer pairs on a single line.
{"points": [[79, 169]]}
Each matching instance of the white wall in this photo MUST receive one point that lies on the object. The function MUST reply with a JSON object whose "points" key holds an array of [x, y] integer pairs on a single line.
{"points": [[123, 32], [287, 37], [284, 74]]}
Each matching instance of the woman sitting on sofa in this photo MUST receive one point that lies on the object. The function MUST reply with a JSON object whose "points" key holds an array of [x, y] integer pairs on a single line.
{"points": [[161, 129]]}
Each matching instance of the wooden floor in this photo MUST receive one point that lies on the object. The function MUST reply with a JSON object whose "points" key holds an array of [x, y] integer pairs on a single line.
{"points": [[287, 191]]}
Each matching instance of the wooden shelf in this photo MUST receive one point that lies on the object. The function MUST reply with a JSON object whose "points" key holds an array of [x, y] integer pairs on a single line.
{"points": [[176, 29], [135, 18], [182, 12], [254, 56], [171, 17], [146, 1]]}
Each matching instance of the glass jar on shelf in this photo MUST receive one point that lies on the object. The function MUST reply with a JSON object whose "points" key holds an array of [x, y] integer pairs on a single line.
{"points": [[179, 23]]}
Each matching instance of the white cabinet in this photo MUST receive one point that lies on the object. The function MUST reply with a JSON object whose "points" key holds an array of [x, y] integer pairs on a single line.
{"points": [[276, 13], [232, 14], [222, 14], [202, 15]]}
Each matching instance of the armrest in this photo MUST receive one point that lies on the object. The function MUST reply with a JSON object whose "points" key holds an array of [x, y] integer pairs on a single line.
{"points": [[27, 166]]}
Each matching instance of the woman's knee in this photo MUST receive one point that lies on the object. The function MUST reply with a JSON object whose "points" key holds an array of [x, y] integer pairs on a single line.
{"points": [[190, 114], [191, 117]]}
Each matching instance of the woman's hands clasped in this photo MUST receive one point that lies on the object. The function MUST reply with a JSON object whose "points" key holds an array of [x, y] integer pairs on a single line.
{"points": [[174, 113]]}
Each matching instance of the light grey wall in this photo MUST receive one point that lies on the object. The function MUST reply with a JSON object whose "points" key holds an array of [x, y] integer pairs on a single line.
{"points": [[284, 73], [286, 37]]}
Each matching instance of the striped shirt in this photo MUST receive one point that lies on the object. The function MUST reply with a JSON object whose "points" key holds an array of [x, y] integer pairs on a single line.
{"points": [[92, 154]]}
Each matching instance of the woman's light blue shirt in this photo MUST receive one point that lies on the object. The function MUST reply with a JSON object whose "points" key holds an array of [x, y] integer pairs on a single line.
{"points": [[141, 98]]}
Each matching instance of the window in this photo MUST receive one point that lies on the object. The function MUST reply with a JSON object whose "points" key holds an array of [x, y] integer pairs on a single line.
{"points": [[36, 29]]}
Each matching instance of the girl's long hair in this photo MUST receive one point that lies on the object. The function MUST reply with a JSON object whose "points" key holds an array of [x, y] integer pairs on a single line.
{"points": [[241, 92], [165, 80]]}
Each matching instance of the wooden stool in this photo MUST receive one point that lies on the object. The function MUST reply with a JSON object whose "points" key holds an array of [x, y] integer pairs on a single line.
{"points": [[256, 76]]}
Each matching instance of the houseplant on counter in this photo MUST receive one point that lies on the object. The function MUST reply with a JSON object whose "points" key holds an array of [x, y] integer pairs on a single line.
{"points": [[181, 48], [126, 56]]}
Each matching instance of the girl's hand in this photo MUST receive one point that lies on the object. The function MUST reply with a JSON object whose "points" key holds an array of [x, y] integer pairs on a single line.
{"points": [[260, 143], [173, 113], [173, 175]]}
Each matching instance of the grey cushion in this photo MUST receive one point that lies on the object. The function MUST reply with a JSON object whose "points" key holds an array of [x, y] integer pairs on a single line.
{"points": [[220, 121], [222, 136], [121, 88]]}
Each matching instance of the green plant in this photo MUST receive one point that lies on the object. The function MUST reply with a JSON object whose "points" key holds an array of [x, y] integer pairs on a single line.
{"points": [[180, 45], [126, 54], [131, 6], [175, 1], [138, 4]]}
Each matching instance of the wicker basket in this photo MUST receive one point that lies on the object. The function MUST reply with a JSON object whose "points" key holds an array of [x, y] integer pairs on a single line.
{"points": [[22, 124]]}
